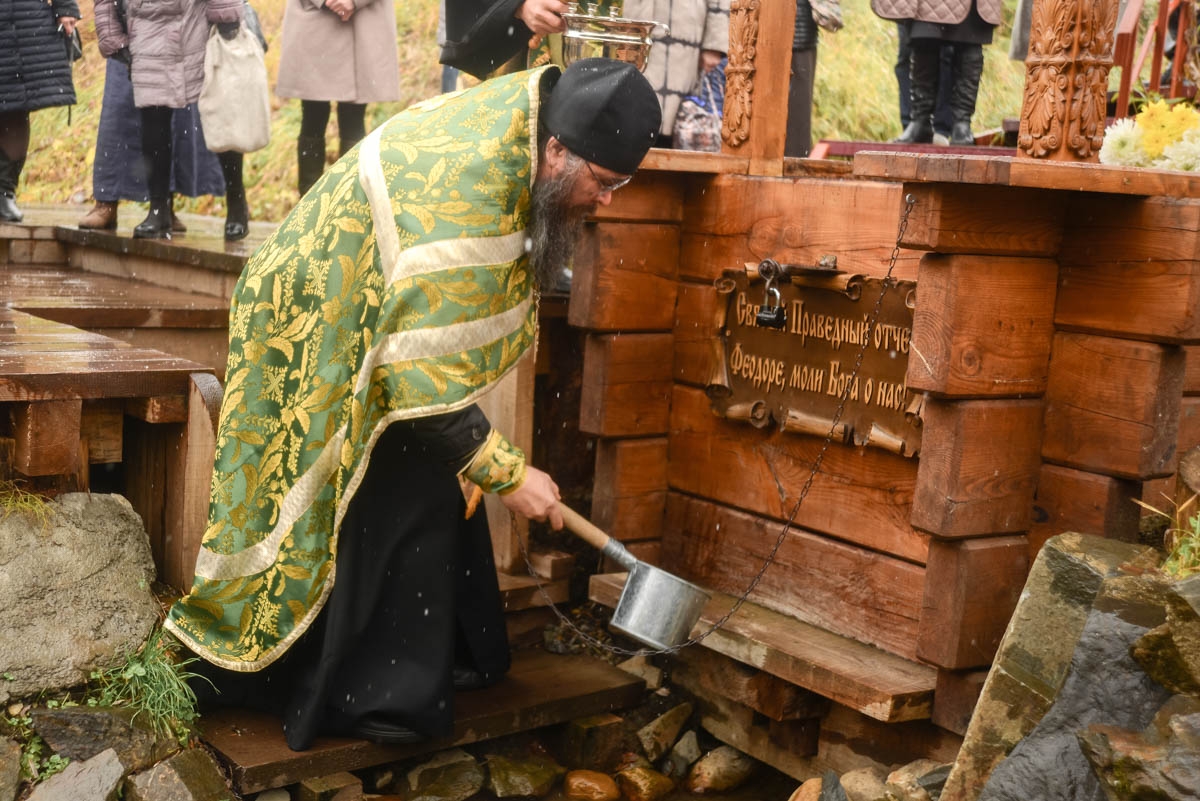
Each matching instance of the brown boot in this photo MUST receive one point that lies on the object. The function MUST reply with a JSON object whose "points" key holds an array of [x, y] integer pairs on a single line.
{"points": [[102, 217], [177, 225]]}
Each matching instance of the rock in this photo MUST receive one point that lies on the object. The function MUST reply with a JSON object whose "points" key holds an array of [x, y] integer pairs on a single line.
{"points": [[595, 742], [10, 769], [190, 775], [94, 559], [683, 755], [452, 775], [659, 735], [95, 779], [1033, 658], [1104, 686], [510, 776], [1160, 658], [590, 785], [641, 667], [916, 780], [1162, 761], [722, 768], [644, 784], [864, 784], [809, 791], [277, 794], [831, 788], [81, 732], [1171, 653]]}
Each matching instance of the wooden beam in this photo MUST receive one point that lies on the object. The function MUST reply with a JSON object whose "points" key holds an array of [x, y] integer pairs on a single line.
{"points": [[712, 673], [978, 466], [955, 698], [623, 277], [879, 684], [699, 312], [629, 496], [861, 495], [971, 589], [982, 326], [1074, 500], [1112, 405], [509, 408], [626, 385], [47, 436], [101, 428], [760, 67], [948, 218], [848, 590]]}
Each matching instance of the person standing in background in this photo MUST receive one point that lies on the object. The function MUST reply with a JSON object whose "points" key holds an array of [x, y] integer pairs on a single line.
{"points": [[697, 41], [798, 143], [35, 72], [165, 46], [118, 169], [336, 51]]}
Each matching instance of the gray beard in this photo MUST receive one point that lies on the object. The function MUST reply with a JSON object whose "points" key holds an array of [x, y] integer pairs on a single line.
{"points": [[554, 227]]}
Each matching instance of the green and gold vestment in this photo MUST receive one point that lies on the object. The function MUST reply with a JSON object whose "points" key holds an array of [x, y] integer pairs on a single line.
{"points": [[398, 288]]}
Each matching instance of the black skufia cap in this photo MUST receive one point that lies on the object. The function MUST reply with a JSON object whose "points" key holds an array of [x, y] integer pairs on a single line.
{"points": [[605, 111]]}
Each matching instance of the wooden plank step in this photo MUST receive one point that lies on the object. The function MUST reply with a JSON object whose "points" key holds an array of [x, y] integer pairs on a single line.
{"points": [[42, 360], [878, 684], [91, 300], [518, 593], [541, 689]]}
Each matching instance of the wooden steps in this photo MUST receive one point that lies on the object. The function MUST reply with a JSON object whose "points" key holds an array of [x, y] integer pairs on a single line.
{"points": [[876, 683], [541, 689]]}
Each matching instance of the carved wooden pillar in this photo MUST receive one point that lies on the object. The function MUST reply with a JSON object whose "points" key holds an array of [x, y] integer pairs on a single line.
{"points": [[756, 82], [1066, 78]]}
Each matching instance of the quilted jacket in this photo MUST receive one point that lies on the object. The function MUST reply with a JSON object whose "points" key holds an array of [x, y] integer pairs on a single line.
{"points": [[943, 12], [35, 71]]}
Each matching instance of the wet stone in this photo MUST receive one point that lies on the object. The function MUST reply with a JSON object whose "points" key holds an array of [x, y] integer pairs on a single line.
{"points": [[659, 735], [449, 776], [190, 775], [864, 784], [276, 794], [80, 732], [644, 784], [95, 779], [683, 755], [10, 769], [722, 768], [590, 785], [809, 791], [594, 742], [533, 776], [914, 781], [1134, 766], [832, 789]]}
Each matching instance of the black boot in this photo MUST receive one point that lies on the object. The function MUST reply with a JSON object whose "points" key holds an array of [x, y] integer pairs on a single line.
{"points": [[923, 74], [968, 69], [156, 152], [310, 161], [237, 214], [10, 174]]}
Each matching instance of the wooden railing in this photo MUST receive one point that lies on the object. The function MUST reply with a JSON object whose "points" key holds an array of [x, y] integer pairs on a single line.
{"points": [[1155, 39]]}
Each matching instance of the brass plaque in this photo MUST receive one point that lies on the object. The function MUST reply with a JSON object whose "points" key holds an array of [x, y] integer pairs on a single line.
{"points": [[796, 376]]}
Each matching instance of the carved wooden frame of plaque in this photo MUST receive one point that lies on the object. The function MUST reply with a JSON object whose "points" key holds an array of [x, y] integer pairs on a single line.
{"points": [[794, 378]]}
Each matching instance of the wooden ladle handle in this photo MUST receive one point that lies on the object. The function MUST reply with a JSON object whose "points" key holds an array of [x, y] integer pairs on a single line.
{"points": [[583, 528]]}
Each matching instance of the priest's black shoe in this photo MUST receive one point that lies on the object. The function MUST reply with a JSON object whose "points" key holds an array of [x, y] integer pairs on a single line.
{"points": [[466, 678], [157, 224], [378, 729]]}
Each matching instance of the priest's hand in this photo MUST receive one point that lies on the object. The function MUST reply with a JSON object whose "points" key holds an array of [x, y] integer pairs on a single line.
{"points": [[537, 498], [542, 17]]}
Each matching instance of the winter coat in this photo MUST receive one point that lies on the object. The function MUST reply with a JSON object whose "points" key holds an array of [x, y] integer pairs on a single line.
{"points": [[942, 12], [324, 58], [167, 39], [674, 66], [35, 71]]}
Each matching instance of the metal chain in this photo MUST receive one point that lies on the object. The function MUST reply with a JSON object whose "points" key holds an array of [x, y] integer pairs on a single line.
{"points": [[909, 201]]}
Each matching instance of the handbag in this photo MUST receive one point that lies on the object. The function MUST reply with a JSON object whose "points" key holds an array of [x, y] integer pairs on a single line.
{"points": [[74, 46], [698, 121], [827, 14], [250, 16], [235, 101]]}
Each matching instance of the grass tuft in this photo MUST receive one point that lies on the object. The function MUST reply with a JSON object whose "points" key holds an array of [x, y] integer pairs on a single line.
{"points": [[21, 502]]}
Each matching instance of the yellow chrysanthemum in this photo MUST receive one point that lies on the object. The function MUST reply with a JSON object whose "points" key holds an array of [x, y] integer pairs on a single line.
{"points": [[1161, 125]]}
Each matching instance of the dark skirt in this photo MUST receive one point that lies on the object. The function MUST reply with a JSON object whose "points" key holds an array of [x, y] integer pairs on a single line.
{"points": [[972, 30], [119, 173], [415, 594]]}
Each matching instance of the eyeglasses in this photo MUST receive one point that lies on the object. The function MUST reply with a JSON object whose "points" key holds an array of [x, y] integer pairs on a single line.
{"points": [[612, 187]]}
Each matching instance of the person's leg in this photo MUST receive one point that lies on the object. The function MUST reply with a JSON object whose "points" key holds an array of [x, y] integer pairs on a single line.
{"points": [[449, 78], [943, 115], [924, 75], [14, 145], [310, 147], [237, 213], [156, 151], [968, 69], [798, 143], [352, 125], [903, 65]]}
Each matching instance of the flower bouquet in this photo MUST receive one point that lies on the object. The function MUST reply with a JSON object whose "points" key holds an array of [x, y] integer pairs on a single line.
{"points": [[1163, 135]]}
